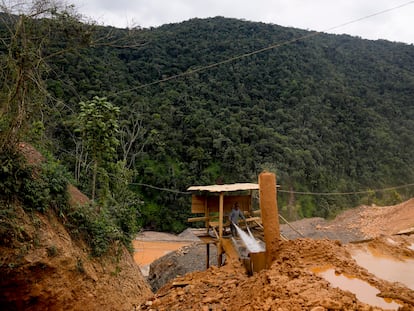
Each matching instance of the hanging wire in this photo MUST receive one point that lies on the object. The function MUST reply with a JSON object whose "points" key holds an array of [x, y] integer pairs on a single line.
{"points": [[273, 46]]}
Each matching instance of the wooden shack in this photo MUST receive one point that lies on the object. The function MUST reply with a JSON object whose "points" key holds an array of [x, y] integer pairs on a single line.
{"points": [[213, 204]]}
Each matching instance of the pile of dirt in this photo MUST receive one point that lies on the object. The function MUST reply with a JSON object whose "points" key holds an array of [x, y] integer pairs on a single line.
{"points": [[175, 264], [289, 284], [363, 222]]}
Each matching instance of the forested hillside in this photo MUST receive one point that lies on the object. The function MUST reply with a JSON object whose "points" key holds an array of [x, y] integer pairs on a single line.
{"points": [[327, 113]]}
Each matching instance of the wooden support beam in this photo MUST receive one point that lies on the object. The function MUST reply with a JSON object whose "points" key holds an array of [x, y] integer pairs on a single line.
{"points": [[221, 215], [201, 218], [270, 218], [208, 256]]}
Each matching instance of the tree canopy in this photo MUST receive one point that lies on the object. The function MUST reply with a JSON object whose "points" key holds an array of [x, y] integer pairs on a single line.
{"points": [[330, 113]]}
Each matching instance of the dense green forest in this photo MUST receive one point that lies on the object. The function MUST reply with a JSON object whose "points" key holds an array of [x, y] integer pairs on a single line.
{"points": [[326, 113]]}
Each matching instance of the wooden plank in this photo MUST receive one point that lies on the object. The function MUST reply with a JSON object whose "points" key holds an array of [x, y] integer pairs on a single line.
{"points": [[231, 252], [228, 202], [221, 215], [225, 188], [194, 219], [197, 204]]}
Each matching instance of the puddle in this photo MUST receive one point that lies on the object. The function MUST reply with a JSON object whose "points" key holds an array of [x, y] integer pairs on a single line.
{"points": [[386, 268], [362, 290]]}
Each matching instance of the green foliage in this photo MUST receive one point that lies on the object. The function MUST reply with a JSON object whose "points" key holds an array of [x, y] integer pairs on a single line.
{"points": [[330, 113], [117, 218], [13, 174], [39, 187], [98, 229], [98, 127], [29, 31]]}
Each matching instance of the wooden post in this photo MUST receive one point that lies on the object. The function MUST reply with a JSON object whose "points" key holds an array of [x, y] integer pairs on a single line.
{"points": [[270, 216], [219, 246], [207, 214], [208, 256], [221, 215], [219, 253]]}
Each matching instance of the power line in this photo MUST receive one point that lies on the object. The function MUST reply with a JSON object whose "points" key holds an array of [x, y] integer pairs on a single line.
{"points": [[159, 188], [294, 192], [346, 193], [273, 46]]}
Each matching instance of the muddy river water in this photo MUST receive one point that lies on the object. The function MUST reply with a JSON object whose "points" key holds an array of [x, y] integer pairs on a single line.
{"points": [[362, 290], [387, 267]]}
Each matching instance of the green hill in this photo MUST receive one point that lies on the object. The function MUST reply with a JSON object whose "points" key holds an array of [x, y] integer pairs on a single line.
{"points": [[327, 113]]}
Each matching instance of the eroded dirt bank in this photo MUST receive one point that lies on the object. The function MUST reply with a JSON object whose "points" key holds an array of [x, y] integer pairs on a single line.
{"points": [[43, 268]]}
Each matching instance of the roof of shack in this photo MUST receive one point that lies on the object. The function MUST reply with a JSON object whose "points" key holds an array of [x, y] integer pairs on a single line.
{"points": [[225, 188]]}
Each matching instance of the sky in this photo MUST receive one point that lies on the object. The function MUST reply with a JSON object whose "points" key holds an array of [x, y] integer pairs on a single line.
{"points": [[320, 15]]}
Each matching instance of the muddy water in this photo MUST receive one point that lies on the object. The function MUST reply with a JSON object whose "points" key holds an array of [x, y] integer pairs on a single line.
{"points": [[362, 290], [148, 251], [386, 267]]}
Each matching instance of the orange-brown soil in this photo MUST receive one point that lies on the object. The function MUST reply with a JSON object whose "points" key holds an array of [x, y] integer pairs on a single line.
{"points": [[42, 267], [289, 284], [363, 222]]}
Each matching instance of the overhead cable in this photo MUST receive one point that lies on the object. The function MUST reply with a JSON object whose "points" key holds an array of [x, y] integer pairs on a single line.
{"points": [[345, 193], [273, 46]]}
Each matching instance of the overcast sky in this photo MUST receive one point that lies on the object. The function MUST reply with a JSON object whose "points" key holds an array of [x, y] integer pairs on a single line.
{"points": [[320, 15]]}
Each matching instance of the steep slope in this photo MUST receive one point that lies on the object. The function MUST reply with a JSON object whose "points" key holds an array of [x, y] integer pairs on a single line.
{"points": [[44, 267]]}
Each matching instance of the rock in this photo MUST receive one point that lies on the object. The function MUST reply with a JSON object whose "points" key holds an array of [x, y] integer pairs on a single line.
{"points": [[331, 304]]}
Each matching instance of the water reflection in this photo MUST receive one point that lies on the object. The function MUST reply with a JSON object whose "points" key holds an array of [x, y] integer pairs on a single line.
{"points": [[362, 290], [387, 268]]}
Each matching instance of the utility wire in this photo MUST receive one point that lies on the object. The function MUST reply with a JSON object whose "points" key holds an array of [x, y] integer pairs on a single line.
{"points": [[287, 191], [158, 188], [273, 46], [346, 193]]}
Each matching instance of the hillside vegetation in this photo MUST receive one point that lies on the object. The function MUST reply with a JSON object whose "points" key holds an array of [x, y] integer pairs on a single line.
{"points": [[327, 113]]}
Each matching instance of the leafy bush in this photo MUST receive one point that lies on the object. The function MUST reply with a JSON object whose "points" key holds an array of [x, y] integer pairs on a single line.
{"points": [[98, 229]]}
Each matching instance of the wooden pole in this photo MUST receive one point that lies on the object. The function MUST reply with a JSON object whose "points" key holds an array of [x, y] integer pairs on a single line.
{"points": [[208, 256], [219, 246], [221, 215], [270, 218], [207, 214]]}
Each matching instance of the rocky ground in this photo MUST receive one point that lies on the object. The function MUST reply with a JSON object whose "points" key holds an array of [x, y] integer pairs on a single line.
{"points": [[292, 283]]}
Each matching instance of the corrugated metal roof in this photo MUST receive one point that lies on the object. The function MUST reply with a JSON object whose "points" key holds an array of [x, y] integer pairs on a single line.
{"points": [[225, 188]]}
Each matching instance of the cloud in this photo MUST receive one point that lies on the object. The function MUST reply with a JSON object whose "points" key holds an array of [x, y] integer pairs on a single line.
{"points": [[318, 15]]}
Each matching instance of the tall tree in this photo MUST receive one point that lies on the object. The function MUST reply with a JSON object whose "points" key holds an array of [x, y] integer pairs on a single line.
{"points": [[98, 126], [29, 30]]}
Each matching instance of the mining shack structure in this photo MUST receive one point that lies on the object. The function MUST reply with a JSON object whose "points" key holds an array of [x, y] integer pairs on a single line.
{"points": [[214, 203]]}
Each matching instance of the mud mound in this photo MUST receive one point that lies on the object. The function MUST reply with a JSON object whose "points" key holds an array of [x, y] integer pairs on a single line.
{"points": [[290, 284], [363, 222], [187, 259], [32, 156]]}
